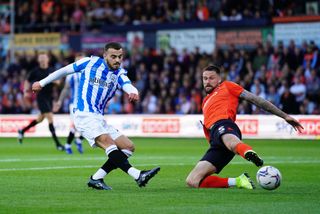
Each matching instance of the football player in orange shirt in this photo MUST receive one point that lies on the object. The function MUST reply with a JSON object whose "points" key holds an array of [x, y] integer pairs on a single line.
{"points": [[219, 108]]}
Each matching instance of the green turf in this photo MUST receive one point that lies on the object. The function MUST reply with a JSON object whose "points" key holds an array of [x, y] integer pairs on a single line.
{"points": [[35, 178]]}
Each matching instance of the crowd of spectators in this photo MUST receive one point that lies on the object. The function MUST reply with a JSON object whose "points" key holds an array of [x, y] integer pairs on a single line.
{"points": [[171, 83], [82, 15], [288, 76]]}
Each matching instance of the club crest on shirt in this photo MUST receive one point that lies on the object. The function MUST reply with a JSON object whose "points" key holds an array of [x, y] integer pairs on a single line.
{"points": [[221, 129], [112, 78]]}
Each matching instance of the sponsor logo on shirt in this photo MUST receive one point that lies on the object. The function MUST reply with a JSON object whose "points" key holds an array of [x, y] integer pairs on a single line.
{"points": [[102, 83]]}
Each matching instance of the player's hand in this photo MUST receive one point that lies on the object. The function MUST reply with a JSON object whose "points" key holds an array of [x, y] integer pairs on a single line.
{"points": [[133, 97], [36, 87], [294, 123], [56, 106]]}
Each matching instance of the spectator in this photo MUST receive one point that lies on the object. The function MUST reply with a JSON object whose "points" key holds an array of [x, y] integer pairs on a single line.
{"points": [[274, 59], [149, 103], [257, 87], [235, 15], [288, 102], [202, 11], [273, 95], [77, 15], [259, 59], [307, 107], [298, 89], [313, 85]]}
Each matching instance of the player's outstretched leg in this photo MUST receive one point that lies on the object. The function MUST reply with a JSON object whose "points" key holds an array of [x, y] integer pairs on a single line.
{"points": [[98, 184], [20, 136], [108, 166], [146, 175], [212, 181], [246, 152], [119, 159]]}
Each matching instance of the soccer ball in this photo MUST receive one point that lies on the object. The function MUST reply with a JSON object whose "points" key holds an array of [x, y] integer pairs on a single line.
{"points": [[269, 177]]}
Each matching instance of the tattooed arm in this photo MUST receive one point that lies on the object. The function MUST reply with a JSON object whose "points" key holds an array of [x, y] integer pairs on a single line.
{"points": [[268, 106]]}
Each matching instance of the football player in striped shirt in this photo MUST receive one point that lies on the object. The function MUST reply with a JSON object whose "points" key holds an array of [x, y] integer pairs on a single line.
{"points": [[100, 78]]}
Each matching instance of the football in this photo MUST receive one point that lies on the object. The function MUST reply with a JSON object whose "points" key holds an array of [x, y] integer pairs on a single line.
{"points": [[269, 177]]}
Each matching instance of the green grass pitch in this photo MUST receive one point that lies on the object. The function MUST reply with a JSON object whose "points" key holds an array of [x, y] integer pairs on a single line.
{"points": [[36, 178]]}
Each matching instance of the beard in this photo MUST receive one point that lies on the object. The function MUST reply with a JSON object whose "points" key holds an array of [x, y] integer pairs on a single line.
{"points": [[114, 66], [208, 89]]}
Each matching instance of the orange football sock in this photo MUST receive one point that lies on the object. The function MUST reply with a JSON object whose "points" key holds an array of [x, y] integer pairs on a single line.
{"points": [[242, 148], [214, 182]]}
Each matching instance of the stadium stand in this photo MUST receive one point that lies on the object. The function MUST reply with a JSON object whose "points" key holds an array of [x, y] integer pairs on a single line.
{"points": [[80, 15]]}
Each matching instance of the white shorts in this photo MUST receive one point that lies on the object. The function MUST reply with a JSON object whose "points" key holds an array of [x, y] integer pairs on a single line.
{"points": [[92, 125]]}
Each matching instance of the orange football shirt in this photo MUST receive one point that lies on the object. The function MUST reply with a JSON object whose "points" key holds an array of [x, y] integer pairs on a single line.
{"points": [[221, 103]]}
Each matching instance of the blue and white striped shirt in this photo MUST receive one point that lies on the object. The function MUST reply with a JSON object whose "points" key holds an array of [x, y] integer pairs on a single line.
{"points": [[97, 84], [73, 81]]}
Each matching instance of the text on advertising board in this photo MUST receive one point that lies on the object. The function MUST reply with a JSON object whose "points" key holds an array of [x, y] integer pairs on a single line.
{"points": [[12, 125], [311, 126], [248, 127], [157, 125]]}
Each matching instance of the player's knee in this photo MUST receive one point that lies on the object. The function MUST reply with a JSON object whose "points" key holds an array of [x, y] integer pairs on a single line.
{"points": [[104, 141], [131, 147], [40, 119]]}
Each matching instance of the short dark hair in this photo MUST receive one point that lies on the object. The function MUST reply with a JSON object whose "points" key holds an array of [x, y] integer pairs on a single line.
{"points": [[215, 68], [113, 45]]}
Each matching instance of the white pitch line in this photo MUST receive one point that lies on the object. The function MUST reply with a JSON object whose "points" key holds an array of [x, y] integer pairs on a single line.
{"points": [[149, 164], [45, 168], [73, 167], [51, 159]]}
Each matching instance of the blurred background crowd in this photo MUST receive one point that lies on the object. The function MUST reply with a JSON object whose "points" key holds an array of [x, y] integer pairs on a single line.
{"points": [[171, 83], [289, 77]]}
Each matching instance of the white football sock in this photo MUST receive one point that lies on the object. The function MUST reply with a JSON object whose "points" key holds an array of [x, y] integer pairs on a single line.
{"points": [[231, 182], [78, 141], [133, 172], [127, 152], [111, 149], [99, 174]]}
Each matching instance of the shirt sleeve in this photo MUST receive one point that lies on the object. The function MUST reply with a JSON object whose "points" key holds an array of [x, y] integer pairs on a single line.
{"points": [[58, 74], [123, 79], [81, 64], [234, 88]]}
